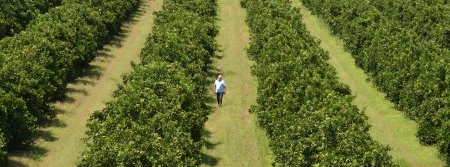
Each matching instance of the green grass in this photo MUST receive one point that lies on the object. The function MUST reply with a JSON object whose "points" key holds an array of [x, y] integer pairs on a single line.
{"points": [[389, 126], [232, 134], [60, 144]]}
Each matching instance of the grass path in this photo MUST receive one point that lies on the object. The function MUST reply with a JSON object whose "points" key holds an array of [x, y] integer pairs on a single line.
{"points": [[60, 144], [233, 137], [389, 126]]}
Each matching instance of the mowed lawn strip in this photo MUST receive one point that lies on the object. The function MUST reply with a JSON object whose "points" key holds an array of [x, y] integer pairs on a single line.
{"points": [[61, 144], [389, 126], [232, 133]]}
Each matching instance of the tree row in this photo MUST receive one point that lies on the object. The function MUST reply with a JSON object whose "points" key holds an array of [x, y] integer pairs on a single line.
{"points": [[37, 63], [308, 115], [158, 112], [412, 70]]}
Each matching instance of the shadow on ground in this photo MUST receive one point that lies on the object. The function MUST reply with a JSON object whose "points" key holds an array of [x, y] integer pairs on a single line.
{"points": [[14, 163], [118, 38], [209, 160], [31, 152]]}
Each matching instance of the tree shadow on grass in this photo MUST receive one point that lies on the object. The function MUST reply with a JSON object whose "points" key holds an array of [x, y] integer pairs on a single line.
{"points": [[88, 77], [68, 97], [118, 39], [91, 72], [53, 121], [209, 160], [210, 100], [44, 135], [32, 152], [212, 73], [218, 53], [75, 86], [77, 91], [104, 55], [15, 163]]}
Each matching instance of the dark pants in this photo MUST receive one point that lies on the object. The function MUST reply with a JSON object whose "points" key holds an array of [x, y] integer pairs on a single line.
{"points": [[219, 98]]}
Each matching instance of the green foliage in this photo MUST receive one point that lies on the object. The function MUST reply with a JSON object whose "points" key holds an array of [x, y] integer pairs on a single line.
{"points": [[444, 142], [112, 12], [308, 114], [148, 123], [3, 157], [16, 14], [428, 19], [158, 112], [404, 46], [16, 124], [28, 79], [37, 63], [61, 26]]}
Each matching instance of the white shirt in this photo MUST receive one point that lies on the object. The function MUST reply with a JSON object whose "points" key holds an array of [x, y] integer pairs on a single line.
{"points": [[220, 86]]}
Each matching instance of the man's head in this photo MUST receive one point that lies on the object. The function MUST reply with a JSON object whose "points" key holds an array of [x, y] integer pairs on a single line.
{"points": [[219, 77]]}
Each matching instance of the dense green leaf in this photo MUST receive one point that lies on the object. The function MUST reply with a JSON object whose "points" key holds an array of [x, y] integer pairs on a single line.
{"points": [[16, 123], [3, 157], [16, 14]]}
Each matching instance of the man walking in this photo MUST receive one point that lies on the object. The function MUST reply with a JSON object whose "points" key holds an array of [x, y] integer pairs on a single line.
{"points": [[219, 88]]}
